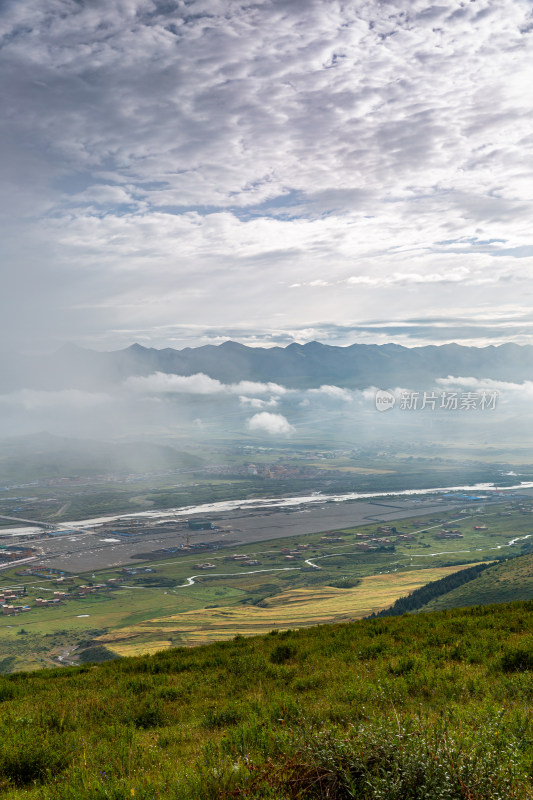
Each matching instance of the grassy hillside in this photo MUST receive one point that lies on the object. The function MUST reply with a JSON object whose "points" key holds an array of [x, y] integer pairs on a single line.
{"points": [[508, 580], [419, 707]]}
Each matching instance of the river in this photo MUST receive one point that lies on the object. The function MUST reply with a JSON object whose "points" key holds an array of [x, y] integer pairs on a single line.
{"points": [[263, 503]]}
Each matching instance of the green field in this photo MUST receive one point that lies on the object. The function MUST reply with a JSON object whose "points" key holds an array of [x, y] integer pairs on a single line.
{"points": [[345, 583]]}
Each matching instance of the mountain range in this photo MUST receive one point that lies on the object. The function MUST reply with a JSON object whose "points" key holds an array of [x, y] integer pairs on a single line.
{"points": [[295, 366]]}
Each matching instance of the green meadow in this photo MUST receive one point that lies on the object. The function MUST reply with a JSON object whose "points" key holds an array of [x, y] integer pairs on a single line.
{"points": [[417, 707]]}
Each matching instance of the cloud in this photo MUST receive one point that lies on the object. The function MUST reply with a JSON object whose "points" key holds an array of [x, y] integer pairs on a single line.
{"points": [[163, 161], [455, 322], [197, 384], [509, 392], [458, 275], [183, 384], [333, 392], [265, 422], [256, 402], [254, 387]]}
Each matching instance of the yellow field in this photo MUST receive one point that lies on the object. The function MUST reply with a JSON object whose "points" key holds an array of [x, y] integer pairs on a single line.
{"points": [[297, 608]]}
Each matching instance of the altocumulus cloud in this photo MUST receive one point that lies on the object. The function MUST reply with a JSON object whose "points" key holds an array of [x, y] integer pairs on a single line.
{"points": [[375, 156]]}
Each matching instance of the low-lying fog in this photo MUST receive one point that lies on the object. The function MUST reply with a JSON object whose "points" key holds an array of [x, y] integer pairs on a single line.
{"points": [[160, 405]]}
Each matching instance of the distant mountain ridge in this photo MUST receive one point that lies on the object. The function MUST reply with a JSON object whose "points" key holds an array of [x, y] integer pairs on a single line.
{"points": [[308, 365]]}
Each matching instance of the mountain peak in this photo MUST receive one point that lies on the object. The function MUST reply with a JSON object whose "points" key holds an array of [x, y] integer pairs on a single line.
{"points": [[136, 348], [231, 345]]}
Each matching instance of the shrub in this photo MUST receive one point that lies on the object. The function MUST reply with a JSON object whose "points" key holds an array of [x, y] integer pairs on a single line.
{"points": [[7, 691], [282, 653], [150, 714], [26, 758], [517, 659]]}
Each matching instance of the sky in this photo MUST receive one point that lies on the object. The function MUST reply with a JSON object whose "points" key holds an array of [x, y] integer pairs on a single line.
{"points": [[183, 172]]}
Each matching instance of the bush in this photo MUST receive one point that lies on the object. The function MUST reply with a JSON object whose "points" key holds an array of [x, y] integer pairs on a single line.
{"points": [[150, 714], [96, 655], [7, 691], [26, 759], [517, 660], [282, 653]]}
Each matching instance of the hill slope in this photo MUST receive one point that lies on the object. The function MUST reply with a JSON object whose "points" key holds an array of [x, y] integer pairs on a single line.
{"points": [[508, 580], [402, 708]]}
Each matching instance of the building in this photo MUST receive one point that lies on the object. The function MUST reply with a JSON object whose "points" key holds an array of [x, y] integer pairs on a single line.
{"points": [[16, 553], [200, 525]]}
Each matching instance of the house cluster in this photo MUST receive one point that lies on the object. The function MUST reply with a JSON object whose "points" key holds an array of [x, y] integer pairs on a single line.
{"points": [[41, 571], [385, 536], [15, 553], [8, 600], [276, 471], [90, 588], [291, 554], [59, 597], [388, 530], [365, 542], [136, 570], [93, 588], [373, 544], [244, 559], [449, 534], [525, 508]]}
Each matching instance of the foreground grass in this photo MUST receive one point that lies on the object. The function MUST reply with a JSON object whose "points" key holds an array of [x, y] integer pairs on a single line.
{"points": [[421, 707]]}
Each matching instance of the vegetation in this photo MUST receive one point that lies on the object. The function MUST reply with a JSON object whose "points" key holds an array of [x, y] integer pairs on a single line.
{"points": [[511, 579], [287, 609], [419, 707], [419, 597], [159, 609]]}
